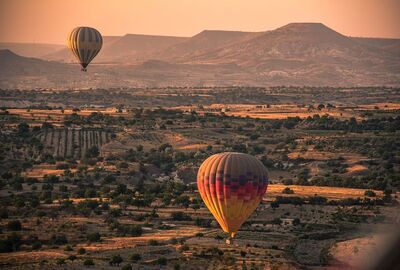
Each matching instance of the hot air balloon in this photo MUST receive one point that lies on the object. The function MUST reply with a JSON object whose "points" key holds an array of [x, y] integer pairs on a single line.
{"points": [[85, 43], [232, 185]]}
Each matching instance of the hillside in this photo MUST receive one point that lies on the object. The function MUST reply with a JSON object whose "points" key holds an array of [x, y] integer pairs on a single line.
{"points": [[388, 44], [294, 43], [12, 64], [31, 49], [128, 48], [203, 42]]}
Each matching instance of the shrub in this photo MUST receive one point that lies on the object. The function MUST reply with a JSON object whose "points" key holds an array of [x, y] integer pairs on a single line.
{"points": [[126, 267], [58, 239], [369, 193], [88, 262], [116, 260], [14, 225], [162, 261], [153, 242], [287, 190], [72, 257], [60, 261], [36, 245], [68, 248], [11, 243], [81, 251], [136, 257], [184, 248], [94, 237], [180, 216]]}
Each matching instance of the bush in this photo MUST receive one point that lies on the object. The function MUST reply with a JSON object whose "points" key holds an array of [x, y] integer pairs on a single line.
{"points": [[116, 260], [60, 261], [58, 239], [88, 262], [135, 257], [14, 225], [81, 251], [162, 261], [36, 245], [184, 248], [180, 216], [94, 237], [68, 248], [72, 257], [369, 193], [153, 242], [287, 190], [11, 243], [126, 267]]}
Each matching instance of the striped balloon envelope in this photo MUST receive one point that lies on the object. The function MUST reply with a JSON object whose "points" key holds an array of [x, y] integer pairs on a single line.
{"points": [[85, 43], [232, 185]]}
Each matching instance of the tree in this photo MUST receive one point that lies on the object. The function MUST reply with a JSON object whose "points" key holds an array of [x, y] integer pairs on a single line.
{"points": [[11, 243], [195, 206], [296, 221], [23, 128], [183, 200]]}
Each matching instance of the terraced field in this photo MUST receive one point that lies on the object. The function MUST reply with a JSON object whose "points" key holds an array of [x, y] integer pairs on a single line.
{"points": [[73, 142]]}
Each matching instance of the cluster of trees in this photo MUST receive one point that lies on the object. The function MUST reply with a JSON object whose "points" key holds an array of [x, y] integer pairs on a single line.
{"points": [[320, 200]]}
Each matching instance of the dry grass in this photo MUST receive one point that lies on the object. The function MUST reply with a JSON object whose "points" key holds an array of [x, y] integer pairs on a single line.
{"points": [[56, 116], [332, 193], [277, 111], [22, 257], [112, 243], [356, 169], [381, 106]]}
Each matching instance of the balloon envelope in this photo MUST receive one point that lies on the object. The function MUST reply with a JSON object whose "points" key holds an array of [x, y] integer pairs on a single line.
{"points": [[85, 43], [232, 186]]}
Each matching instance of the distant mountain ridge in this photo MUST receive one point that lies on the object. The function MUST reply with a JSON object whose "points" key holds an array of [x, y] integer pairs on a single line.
{"points": [[297, 54]]}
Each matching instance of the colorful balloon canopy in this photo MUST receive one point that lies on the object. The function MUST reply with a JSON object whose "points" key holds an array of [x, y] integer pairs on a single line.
{"points": [[85, 43], [232, 186]]}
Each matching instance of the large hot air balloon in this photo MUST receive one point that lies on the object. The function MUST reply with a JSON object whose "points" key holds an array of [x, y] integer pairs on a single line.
{"points": [[232, 186], [85, 43]]}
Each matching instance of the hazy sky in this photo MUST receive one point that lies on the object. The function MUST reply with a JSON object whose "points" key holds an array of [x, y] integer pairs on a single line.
{"points": [[49, 21]]}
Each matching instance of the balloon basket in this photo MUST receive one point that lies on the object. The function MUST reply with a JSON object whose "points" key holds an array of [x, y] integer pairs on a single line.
{"points": [[229, 241]]}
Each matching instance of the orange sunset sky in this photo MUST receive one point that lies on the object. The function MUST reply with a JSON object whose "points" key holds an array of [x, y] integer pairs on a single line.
{"points": [[49, 21]]}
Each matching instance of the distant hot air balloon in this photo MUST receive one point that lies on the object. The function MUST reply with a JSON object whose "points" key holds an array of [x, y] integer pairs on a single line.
{"points": [[85, 43], [232, 185]]}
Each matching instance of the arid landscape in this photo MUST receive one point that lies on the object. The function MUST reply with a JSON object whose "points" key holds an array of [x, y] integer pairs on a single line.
{"points": [[111, 186], [199, 135]]}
